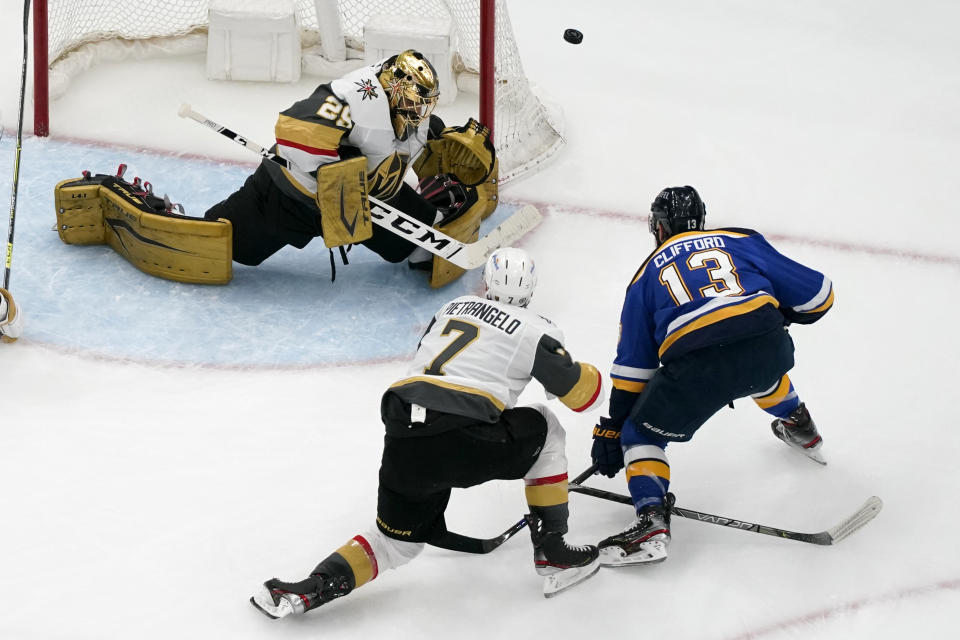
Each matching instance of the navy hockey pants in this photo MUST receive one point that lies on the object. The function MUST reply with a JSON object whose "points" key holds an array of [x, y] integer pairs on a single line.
{"points": [[684, 393]]}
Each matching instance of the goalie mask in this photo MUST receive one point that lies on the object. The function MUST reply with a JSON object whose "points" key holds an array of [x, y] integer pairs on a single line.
{"points": [[412, 89], [676, 210], [510, 276]]}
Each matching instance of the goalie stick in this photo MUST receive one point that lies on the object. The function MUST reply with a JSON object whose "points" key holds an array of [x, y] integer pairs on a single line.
{"points": [[468, 255], [831, 536]]}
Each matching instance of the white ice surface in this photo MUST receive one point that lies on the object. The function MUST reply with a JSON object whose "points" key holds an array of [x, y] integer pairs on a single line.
{"points": [[146, 494]]}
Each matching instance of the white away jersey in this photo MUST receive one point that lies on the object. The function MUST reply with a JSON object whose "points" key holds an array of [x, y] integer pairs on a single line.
{"points": [[475, 358]]}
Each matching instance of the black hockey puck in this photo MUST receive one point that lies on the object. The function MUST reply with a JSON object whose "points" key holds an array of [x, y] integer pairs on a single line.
{"points": [[573, 36]]}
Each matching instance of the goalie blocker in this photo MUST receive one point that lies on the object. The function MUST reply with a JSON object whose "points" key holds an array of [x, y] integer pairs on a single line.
{"points": [[143, 228], [465, 154]]}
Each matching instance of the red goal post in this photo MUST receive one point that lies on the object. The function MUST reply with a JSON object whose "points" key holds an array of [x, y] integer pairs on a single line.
{"points": [[69, 36]]}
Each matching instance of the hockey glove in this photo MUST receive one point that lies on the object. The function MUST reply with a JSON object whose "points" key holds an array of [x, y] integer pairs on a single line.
{"points": [[606, 453], [450, 196], [11, 318]]}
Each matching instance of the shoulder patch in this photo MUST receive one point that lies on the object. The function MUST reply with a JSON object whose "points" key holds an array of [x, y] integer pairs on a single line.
{"points": [[367, 89]]}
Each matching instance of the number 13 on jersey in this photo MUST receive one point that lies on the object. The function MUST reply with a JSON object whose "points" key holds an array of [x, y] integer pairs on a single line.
{"points": [[719, 268]]}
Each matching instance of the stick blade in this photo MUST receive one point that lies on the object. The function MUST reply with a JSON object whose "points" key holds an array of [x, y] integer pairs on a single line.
{"points": [[468, 544], [505, 234], [519, 224], [870, 509]]}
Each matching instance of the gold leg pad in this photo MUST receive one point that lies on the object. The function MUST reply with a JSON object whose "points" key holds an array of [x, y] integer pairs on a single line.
{"points": [[466, 229], [107, 210]]}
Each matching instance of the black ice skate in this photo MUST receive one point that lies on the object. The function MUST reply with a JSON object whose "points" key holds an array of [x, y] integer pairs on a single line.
{"points": [[563, 565], [643, 542], [799, 431], [278, 599]]}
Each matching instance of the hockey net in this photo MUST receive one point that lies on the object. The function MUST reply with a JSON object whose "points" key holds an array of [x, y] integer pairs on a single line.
{"points": [[527, 127]]}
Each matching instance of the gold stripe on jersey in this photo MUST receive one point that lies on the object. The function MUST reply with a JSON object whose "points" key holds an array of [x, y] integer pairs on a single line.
{"points": [[358, 559], [823, 307], [437, 382], [546, 495], [648, 467], [629, 385], [321, 139], [585, 390], [722, 313], [776, 396]]}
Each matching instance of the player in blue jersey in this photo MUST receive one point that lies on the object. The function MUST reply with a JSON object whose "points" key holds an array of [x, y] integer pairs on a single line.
{"points": [[703, 323]]}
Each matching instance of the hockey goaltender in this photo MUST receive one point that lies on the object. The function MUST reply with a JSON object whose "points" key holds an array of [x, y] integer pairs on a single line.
{"points": [[351, 139]]}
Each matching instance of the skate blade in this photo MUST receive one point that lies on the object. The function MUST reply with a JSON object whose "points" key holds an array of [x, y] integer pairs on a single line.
{"points": [[815, 455], [650, 552], [562, 580], [263, 601]]}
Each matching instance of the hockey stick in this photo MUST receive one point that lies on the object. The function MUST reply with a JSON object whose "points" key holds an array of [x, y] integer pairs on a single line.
{"points": [[466, 544], [835, 534], [589, 471], [465, 255], [16, 163]]}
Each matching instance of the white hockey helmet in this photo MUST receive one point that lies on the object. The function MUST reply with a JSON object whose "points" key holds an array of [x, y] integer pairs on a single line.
{"points": [[510, 276]]}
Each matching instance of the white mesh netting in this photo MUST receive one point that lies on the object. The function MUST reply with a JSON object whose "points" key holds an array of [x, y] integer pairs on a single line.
{"points": [[82, 32]]}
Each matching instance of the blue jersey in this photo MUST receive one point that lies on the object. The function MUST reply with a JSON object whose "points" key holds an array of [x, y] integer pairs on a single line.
{"points": [[702, 288]]}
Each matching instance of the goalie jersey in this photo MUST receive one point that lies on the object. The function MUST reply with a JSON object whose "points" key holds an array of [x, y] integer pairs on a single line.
{"points": [[477, 355], [702, 288], [346, 118]]}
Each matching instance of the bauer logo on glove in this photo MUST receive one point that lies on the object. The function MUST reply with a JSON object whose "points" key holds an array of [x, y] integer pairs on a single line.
{"points": [[606, 452], [600, 431]]}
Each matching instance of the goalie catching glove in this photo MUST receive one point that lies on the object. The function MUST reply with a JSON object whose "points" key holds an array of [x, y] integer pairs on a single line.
{"points": [[467, 153]]}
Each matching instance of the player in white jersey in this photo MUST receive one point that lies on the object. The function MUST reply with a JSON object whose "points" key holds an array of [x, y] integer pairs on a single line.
{"points": [[11, 317], [453, 422]]}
